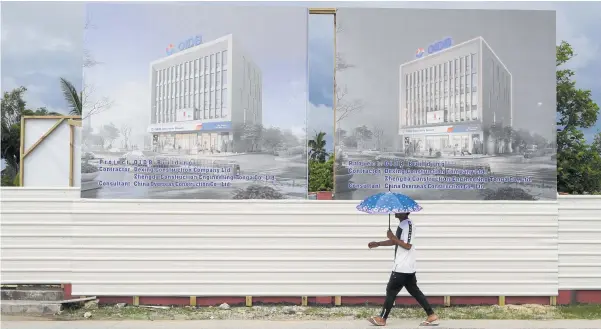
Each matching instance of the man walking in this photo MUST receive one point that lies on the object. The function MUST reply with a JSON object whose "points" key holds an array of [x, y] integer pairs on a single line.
{"points": [[403, 272]]}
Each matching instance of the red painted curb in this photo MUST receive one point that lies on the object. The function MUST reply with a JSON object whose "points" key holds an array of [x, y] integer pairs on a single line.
{"points": [[565, 297]]}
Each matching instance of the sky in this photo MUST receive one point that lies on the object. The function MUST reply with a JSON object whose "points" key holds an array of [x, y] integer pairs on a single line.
{"points": [[43, 41], [526, 47], [320, 115]]}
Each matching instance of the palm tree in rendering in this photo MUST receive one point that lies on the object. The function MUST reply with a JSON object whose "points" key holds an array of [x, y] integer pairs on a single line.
{"points": [[73, 98]]}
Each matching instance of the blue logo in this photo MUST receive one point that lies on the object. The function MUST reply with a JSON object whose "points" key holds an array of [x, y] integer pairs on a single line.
{"points": [[440, 45], [419, 53], [189, 43]]}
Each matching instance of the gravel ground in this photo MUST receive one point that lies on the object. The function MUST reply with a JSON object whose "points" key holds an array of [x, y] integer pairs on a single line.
{"points": [[510, 312]]}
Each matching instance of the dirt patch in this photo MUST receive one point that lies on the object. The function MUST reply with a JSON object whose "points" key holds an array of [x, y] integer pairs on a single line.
{"points": [[509, 312]]}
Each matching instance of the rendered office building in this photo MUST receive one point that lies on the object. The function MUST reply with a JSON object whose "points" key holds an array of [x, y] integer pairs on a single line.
{"points": [[200, 93], [452, 98]]}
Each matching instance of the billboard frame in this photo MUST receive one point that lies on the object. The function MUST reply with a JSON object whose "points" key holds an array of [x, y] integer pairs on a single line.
{"points": [[72, 121]]}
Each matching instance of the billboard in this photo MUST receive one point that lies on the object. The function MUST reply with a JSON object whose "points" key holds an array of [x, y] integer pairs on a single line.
{"points": [[472, 114], [200, 118]]}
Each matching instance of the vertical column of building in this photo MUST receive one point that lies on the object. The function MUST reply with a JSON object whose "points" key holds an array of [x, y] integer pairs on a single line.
{"points": [[200, 97], [452, 90], [412, 91], [422, 107], [448, 76], [414, 98], [464, 88], [422, 95]]}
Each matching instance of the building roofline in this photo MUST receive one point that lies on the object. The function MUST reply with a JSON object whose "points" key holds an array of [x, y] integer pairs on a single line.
{"points": [[442, 51], [497, 57], [191, 49]]}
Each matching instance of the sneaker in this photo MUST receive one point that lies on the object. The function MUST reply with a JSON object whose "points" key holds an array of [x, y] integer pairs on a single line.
{"points": [[377, 321]]}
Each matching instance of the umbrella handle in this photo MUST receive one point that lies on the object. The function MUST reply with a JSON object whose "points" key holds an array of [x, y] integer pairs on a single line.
{"points": [[389, 221]]}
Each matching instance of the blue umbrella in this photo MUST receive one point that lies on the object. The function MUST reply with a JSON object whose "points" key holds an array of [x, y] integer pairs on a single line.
{"points": [[388, 203]]}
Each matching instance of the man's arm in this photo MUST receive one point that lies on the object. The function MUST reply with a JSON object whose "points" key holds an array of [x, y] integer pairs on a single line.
{"points": [[385, 243], [375, 244], [402, 244], [405, 236]]}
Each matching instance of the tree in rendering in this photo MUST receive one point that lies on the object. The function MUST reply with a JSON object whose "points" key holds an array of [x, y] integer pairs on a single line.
{"points": [[344, 107], [110, 133], [90, 104], [256, 191], [378, 136], [578, 163], [125, 132], [272, 139]]}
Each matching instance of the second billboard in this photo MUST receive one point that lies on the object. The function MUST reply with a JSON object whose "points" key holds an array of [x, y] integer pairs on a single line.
{"points": [[446, 104]]}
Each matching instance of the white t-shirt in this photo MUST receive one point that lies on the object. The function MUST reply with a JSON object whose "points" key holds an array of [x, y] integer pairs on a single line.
{"points": [[404, 260]]}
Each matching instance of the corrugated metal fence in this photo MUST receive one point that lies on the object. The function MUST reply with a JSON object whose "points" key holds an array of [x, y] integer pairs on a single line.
{"points": [[293, 248]]}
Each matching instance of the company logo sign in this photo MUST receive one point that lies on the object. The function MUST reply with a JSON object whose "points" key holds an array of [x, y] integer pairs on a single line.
{"points": [[188, 43], [435, 47], [420, 52]]}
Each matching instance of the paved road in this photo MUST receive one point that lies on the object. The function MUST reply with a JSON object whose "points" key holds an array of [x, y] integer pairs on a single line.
{"points": [[393, 324]]}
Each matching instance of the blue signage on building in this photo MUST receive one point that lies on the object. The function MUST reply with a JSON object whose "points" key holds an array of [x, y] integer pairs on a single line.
{"points": [[435, 47], [224, 125], [189, 43]]}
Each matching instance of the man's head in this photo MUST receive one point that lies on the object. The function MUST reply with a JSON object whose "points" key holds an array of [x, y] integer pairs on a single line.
{"points": [[401, 216]]}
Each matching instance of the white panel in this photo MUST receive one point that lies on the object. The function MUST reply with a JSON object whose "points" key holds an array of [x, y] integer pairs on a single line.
{"points": [[236, 247], [36, 234], [579, 243], [48, 164]]}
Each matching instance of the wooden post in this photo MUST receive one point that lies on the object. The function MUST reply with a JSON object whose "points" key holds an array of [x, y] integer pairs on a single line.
{"points": [[447, 301], [501, 300]]}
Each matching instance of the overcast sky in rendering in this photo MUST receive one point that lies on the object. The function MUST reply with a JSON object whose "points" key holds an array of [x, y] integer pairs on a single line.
{"points": [[42, 41], [127, 37], [523, 40]]}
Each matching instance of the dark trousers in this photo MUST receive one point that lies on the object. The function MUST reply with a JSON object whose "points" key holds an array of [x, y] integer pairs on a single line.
{"points": [[395, 285]]}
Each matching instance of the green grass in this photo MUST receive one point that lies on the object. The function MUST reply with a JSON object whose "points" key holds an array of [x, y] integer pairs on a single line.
{"points": [[495, 312], [580, 312]]}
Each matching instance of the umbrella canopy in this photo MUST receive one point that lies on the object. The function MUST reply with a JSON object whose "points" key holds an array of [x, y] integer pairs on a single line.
{"points": [[388, 203]]}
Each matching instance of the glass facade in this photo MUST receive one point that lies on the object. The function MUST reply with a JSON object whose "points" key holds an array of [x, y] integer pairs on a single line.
{"points": [[448, 89], [200, 84]]}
